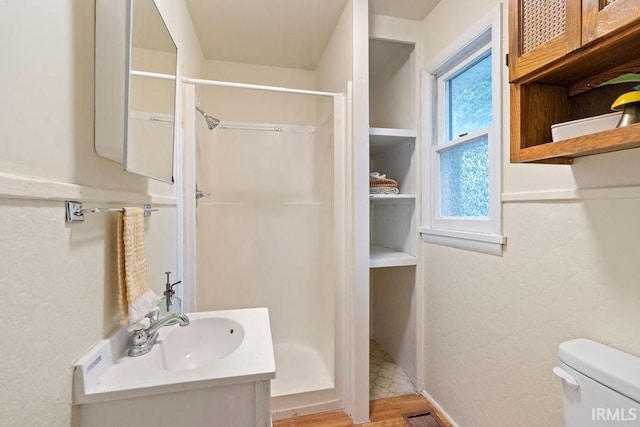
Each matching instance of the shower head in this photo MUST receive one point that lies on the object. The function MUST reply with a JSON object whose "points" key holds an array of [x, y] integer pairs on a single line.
{"points": [[212, 122]]}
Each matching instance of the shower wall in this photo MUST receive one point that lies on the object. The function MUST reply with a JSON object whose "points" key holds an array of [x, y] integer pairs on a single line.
{"points": [[265, 234]]}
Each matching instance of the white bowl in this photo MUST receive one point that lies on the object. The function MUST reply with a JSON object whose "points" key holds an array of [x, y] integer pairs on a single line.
{"points": [[202, 342], [585, 126]]}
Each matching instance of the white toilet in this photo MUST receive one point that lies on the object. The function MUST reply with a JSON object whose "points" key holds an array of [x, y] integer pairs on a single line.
{"points": [[600, 385]]}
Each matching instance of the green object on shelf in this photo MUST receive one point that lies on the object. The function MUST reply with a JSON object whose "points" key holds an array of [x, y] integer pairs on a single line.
{"points": [[624, 78]]}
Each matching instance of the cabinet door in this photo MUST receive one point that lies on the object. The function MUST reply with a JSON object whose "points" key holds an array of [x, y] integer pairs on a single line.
{"points": [[540, 32], [601, 17]]}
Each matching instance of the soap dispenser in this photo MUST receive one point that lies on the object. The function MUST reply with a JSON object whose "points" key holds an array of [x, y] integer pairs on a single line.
{"points": [[170, 303]]}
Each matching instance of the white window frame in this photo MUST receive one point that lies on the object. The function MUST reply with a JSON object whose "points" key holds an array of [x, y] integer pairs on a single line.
{"points": [[477, 234]]}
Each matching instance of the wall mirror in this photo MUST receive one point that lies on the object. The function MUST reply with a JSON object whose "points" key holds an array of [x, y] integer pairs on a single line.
{"points": [[134, 113]]}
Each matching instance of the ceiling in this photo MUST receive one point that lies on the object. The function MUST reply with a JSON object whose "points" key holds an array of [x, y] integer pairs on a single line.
{"points": [[284, 33], [416, 10]]}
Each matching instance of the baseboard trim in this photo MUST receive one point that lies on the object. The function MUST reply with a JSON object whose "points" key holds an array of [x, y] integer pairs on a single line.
{"points": [[315, 408], [305, 403], [439, 408]]}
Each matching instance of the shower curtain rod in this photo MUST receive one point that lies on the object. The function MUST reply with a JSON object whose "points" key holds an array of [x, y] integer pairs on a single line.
{"points": [[236, 85], [258, 87]]}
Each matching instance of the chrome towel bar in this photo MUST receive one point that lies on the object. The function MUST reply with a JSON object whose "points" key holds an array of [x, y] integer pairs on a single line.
{"points": [[75, 211]]}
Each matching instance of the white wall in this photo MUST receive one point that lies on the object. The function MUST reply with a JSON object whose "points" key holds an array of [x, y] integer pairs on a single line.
{"points": [[335, 67], [358, 298], [493, 324], [58, 281], [246, 105], [333, 73]]}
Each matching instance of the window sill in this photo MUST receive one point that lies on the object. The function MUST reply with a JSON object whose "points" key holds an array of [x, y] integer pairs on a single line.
{"points": [[490, 244]]}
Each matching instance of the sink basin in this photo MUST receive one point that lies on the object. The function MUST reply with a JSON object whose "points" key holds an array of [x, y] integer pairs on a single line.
{"points": [[217, 348], [204, 341]]}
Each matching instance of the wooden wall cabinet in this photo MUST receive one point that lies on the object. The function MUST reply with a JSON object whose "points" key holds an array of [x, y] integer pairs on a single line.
{"points": [[555, 67], [601, 17], [541, 32]]}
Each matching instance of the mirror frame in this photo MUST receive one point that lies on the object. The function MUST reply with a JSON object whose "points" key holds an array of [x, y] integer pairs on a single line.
{"points": [[113, 47]]}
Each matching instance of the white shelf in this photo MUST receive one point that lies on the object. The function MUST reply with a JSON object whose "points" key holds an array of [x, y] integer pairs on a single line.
{"points": [[392, 133], [379, 256], [381, 139], [391, 198]]}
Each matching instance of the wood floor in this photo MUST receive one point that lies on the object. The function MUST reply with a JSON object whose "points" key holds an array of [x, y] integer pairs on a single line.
{"points": [[384, 413]]}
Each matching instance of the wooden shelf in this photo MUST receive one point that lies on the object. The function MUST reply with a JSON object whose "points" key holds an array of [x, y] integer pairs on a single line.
{"points": [[382, 139], [392, 132], [379, 257], [595, 143]]}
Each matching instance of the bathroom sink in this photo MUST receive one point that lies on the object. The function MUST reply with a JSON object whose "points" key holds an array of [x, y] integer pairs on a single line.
{"points": [[204, 341], [217, 348]]}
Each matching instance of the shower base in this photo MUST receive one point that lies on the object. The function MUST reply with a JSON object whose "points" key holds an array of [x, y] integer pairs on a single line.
{"points": [[303, 384]]}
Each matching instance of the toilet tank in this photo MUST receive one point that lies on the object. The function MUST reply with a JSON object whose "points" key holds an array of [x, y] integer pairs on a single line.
{"points": [[600, 385]]}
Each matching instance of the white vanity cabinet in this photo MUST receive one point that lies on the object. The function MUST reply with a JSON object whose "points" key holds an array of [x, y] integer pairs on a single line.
{"points": [[216, 371], [238, 405]]}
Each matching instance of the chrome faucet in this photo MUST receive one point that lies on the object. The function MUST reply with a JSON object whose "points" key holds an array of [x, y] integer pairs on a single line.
{"points": [[144, 339]]}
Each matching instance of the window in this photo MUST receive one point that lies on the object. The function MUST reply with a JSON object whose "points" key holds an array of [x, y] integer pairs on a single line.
{"points": [[462, 134]]}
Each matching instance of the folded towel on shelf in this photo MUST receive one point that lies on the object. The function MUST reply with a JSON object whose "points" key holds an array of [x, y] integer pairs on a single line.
{"points": [[383, 190], [382, 182], [135, 299], [376, 179]]}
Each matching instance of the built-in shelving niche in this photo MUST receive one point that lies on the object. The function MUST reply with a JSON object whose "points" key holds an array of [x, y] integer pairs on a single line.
{"points": [[392, 151], [393, 233], [393, 216]]}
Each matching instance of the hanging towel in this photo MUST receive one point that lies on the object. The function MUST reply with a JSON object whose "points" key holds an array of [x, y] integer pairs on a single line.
{"points": [[136, 299]]}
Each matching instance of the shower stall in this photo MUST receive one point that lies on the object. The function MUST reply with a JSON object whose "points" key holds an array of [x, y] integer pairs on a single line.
{"points": [[269, 227]]}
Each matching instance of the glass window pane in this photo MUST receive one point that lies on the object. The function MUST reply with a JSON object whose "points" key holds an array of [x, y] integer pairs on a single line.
{"points": [[469, 96], [464, 180]]}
